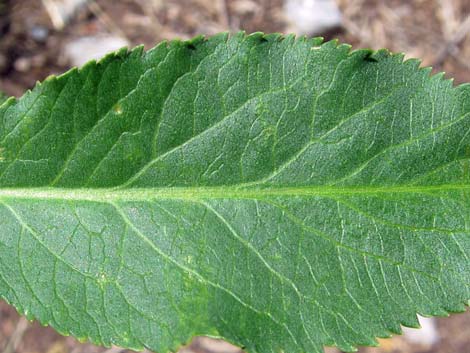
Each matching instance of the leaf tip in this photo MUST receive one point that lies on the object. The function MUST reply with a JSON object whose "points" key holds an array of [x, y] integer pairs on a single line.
{"points": [[8, 101], [194, 42], [272, 37], [257, 36]]}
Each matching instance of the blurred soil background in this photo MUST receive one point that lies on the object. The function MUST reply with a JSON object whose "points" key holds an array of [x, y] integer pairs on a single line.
{"points": [[43, 37]]}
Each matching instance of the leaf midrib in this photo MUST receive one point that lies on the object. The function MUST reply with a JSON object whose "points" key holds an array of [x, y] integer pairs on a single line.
{"points": [[219, 192]]}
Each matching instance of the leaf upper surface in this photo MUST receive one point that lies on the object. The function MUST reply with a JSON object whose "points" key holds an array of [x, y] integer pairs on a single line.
{"points": [[281, 193]]}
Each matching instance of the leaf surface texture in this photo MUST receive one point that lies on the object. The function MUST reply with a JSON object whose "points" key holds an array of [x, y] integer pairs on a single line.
{"points": [[281, 193]]}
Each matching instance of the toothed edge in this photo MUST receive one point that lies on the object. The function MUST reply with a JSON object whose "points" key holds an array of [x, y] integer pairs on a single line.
{"points": [[317, 43]]}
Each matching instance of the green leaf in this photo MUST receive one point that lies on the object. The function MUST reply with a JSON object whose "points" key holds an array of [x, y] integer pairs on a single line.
{"points": [[280, 193]]}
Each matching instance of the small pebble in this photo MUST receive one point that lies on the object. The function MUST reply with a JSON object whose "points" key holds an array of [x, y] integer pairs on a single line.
{"points": [[22, 64], [312, 17], [39, 33]]}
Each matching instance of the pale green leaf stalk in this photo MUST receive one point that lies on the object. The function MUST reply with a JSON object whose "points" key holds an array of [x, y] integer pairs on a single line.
{"points": [[283, 194]]}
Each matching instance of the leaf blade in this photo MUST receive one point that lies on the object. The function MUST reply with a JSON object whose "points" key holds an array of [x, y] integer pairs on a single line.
{"points": [[255, 188]]}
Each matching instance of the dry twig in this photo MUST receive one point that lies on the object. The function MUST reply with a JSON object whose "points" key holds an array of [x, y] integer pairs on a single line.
{"points": [[17, 336], [456, 38], [105, 19], [224, 14]]}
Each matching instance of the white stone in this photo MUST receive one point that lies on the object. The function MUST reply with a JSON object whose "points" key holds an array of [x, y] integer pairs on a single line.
{"points": [[426, 335], [312, 17], [84, 49]]}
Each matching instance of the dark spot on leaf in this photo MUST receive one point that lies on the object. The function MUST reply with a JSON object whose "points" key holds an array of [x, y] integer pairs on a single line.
{"points": [[191, 46]]}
